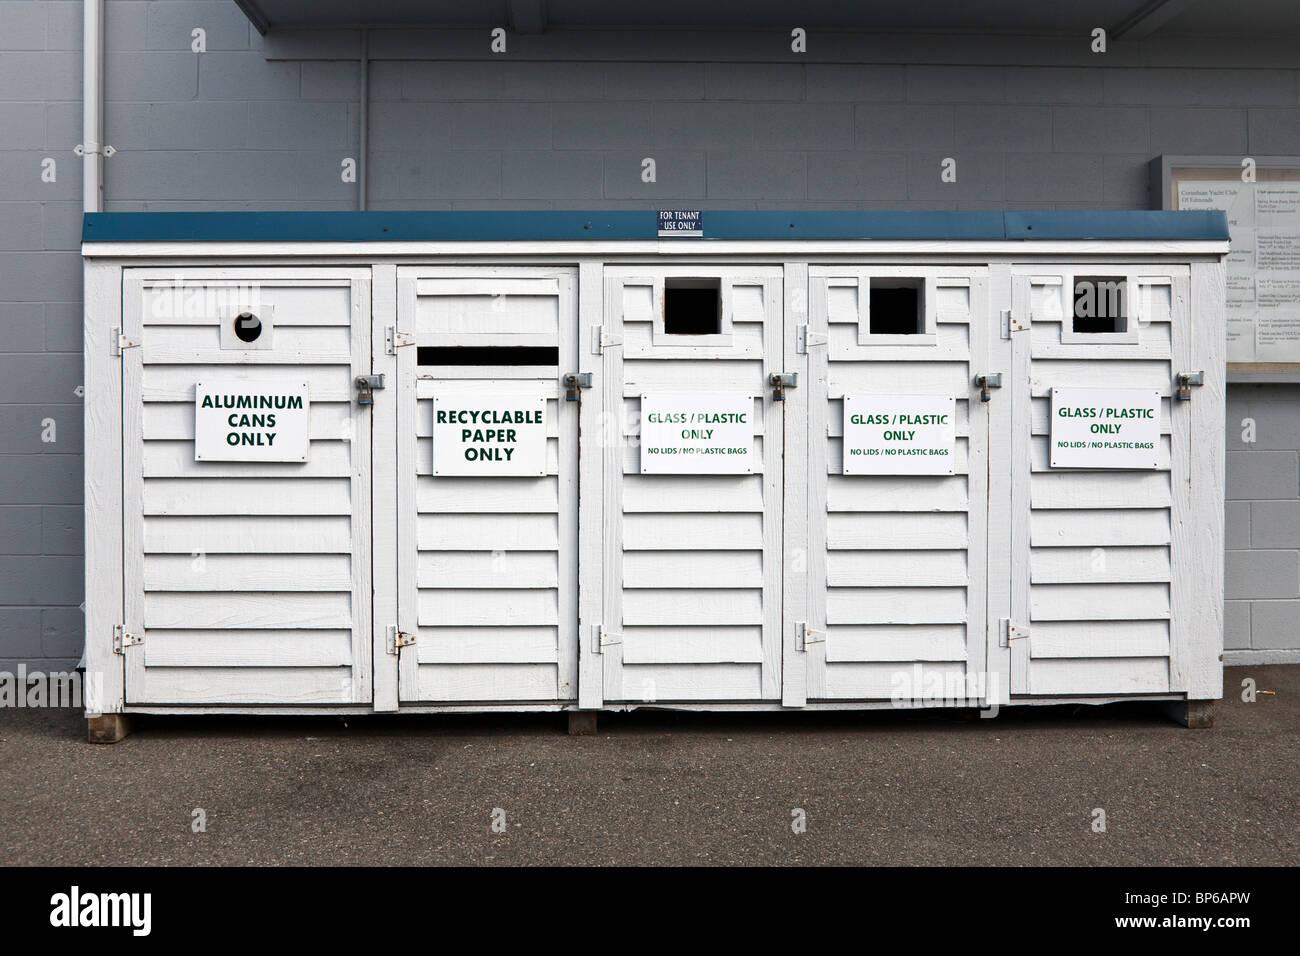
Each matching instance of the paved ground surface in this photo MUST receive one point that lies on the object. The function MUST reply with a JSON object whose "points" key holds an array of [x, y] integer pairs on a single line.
{"points": [[877, 788]]}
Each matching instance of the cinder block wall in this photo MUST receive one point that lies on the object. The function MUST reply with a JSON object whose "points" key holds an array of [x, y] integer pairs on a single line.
{"points": [[1262, 572], [40, 324], [230, 129]]}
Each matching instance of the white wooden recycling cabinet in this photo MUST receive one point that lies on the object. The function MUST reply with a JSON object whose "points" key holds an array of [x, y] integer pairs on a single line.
{"points": [[355, 462]]}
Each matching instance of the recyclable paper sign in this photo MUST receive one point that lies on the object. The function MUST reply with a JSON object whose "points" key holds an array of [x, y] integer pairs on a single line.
{"points": [[1105, 428], [239, 421], [489, 434], [899, 434], [697, 434]]}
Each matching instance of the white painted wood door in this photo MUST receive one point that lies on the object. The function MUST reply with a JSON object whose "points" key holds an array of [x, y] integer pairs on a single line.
{"points": [[486, 566], [1093, 550], [895, 563], [245, 582], [692, 583]]}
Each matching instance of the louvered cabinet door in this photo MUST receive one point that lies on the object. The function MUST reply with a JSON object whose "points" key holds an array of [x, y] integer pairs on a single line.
{"points": [[247, 581], [1094, 547], [897, 539], [487, 548], [692, 548]]}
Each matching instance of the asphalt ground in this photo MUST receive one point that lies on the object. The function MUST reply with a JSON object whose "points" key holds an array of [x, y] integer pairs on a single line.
{"points": [[896, 787]]}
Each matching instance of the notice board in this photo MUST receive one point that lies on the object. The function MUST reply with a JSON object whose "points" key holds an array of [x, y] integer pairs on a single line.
{"points": [[1263, 265]]}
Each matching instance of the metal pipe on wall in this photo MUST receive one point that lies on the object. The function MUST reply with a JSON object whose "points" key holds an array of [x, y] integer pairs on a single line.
{"points": [[364, 172], [92, 102]]}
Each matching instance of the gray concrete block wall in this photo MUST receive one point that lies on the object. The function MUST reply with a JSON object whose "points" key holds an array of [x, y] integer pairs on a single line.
{"points": [[229, 129], [1262, 584], [40, 353]]}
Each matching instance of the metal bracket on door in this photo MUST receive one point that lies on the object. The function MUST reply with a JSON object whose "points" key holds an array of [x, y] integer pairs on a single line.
{"points": [[780, 381], [1010, 324], [398, 639], [602, 338], [122, 639], [804, 340], [121, 343], [603, 638], [809, 635], [1186, 381], [986, 382], [573, 382], [1008, 632], [367, 385], [394, 340]]}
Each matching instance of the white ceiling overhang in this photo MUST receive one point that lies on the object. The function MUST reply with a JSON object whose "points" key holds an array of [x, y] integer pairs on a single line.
{"points": [[1123, 19]]}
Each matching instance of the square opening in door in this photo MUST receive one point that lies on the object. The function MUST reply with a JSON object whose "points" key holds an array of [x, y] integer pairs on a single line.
{"points": [[692, 306], [1100, 304], [896, 306]]}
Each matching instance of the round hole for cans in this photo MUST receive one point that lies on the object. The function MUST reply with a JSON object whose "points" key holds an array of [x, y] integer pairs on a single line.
{"points": [[247, 327]]}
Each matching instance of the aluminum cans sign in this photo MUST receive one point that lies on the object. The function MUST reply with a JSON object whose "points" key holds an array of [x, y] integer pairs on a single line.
{"points": [[489, 434], [900, 434], [1105, 428], [242, 421], [697, 434]]}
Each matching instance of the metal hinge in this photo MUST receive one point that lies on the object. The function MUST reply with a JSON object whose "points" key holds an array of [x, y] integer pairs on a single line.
{"points": [[1186, 381], [398, 639], [809, 635], [1008, 632], [121, 342], [122, 639], [804, 340], [1010, 324], [602, 638], [394, 340], [602, 338]]}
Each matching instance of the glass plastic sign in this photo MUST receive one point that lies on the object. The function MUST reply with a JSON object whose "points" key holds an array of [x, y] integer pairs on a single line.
{"points": [[1105, 428], [241, 421], [489, 434], [900, 434], [697, 434]]}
